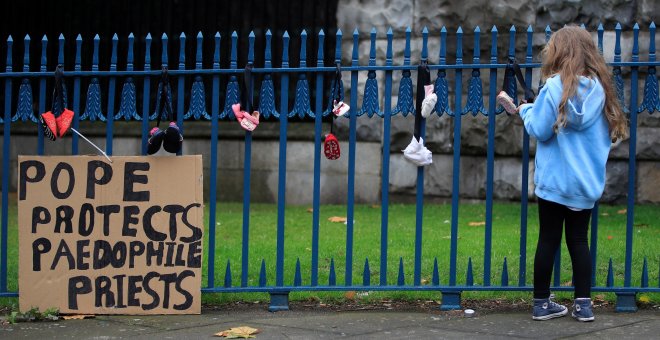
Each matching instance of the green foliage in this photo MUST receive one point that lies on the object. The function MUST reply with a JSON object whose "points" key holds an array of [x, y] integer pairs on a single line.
{"points": [[33, 314]]}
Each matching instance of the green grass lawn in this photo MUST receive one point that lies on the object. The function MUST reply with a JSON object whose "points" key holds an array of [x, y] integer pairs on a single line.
{"points": [[401, 245]]}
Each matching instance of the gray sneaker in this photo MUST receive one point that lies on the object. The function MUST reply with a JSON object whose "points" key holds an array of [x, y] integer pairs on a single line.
{"points": [[582, 310], [546, 309]]}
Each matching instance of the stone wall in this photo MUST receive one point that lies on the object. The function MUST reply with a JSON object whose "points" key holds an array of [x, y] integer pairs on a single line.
{"points": [[416, 14]]}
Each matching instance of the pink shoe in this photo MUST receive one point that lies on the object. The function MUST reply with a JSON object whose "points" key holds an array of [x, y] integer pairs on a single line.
{"points": [[340, 108], [507, 103]]}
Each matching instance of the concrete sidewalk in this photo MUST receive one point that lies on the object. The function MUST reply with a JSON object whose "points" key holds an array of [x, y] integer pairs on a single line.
{"points": [[318, 323]]}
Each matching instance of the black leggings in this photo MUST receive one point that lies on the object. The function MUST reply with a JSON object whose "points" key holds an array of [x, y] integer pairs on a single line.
{"points": [[551, 219]]}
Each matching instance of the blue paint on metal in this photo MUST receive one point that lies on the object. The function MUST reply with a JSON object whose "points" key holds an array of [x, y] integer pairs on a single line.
{"points": [[127, 106], [600, 32], [405, 103], [626, 302], [610, 275], [456, 168], [228, 274], [618, 79], [632, 161], [297, 278], [332, 277], [232, 94], [469, 277], [366, 274], [441, 86], [279, 301], [505, 274], [42, 94], [180, 87], [451, 300], [281, 184], [370, 101], [6, 154], [24, 110], [490, 159], [93, 102], [350, 201], [435, 280], [60, 54], [146, 85], [401, 279], [384, 204], [651, 101], [263, 281], [267, 93], [76, 97], [109, 127], [215, 107], [301, 105], [644, 282], [318, 125], [522, 270], [475, 100], [197, 108]]}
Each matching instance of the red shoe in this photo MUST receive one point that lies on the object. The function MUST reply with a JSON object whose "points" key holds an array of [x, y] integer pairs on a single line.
{"points": [[331, 147], [49, 124], [64, 122]]}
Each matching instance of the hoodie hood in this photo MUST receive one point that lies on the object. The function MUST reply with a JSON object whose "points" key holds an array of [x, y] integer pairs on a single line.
{"points": [[586, 107]]}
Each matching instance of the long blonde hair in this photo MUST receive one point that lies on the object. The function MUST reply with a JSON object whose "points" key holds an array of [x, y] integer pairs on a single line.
{"points": [[571, 53]]}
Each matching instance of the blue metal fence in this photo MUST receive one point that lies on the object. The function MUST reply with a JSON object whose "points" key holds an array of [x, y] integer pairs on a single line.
{"points": [[473, 103]]}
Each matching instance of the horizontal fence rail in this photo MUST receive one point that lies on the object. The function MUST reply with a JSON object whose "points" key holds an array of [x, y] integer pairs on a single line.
{"points": [[113, 95]]}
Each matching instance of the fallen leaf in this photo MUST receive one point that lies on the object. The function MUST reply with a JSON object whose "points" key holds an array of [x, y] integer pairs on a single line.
{"points": [[644, 299], [567, 284], [238, 332], [476, 224], [77, 316], [609, 237], [350, 295], [375, 206], [425, 281], [605, 214], [622, 211], [337, 219], [310, 210]]}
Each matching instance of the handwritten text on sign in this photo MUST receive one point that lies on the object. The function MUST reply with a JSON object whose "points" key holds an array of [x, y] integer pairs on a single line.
{"points": [[110, 238]]}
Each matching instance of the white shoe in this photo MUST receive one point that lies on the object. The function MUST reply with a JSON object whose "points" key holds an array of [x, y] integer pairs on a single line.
{"points": [[430, 98], [417, 153]]}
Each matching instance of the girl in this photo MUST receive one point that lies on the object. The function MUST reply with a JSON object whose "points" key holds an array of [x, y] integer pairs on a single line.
{"points": [[575, 118]]}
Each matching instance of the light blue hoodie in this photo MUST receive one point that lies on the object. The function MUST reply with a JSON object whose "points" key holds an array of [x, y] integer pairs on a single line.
{"points": [[569, 164]]}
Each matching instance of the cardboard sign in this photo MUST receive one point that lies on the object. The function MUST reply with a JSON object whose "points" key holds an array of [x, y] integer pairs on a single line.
{"points": [[110, 238]]}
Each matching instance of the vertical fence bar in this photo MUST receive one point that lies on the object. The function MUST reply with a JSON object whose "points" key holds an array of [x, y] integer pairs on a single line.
{"points": [[632, 153], [387, 119], [76, 97], [593, 244], [109, 132], [419, 205], [6, 154], [247, 162], [522, 270], [180, 85], [215, 107], [351, 162], [42, 92], [490, 152], [146, 94], [318, 126], [284, 114], [457, 158]]}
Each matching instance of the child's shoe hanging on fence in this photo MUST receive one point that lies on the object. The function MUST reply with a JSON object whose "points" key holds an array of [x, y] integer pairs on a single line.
{"points": [[64, 122], [546, 309], [430, 98], [49, 125], [507, 103], [582, 310], [339, 108]]}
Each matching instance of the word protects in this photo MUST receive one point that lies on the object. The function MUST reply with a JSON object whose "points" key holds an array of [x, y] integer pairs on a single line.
{"points": [[110, 238]]}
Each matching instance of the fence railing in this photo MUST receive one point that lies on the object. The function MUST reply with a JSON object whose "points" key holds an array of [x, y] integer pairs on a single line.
{"points": [[19, 107]]}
